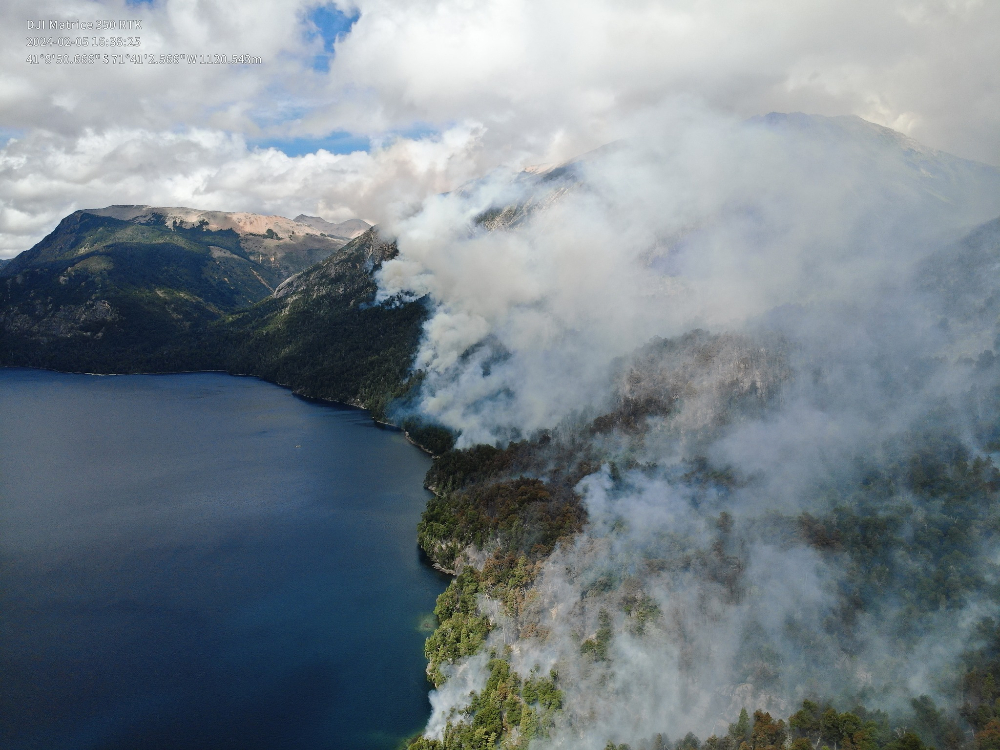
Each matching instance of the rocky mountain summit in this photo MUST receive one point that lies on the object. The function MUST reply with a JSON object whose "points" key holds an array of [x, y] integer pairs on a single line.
{"points": [[284, 246], [347, 229]]}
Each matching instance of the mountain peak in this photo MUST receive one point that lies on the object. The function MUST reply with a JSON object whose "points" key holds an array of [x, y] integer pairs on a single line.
{"points": [[241, 222], [347, 229]]}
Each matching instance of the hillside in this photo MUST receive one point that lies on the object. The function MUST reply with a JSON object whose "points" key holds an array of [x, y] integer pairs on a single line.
{"points": [[125, 293], [735, 484], [114, 289], [321, 333]]}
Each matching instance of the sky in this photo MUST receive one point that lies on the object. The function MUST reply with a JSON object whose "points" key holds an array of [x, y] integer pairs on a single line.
{"points": [[367, 108]]}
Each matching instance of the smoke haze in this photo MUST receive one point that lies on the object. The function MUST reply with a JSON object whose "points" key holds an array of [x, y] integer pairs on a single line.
{"points": [[770, 302]]}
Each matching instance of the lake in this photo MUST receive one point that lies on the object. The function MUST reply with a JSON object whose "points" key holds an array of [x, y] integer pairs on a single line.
{"points": [[205, 561]]}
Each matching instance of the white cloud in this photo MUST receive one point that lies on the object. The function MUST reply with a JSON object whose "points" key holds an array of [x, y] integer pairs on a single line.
{"points": [[44, 176], [537, 70], [539, 81]]}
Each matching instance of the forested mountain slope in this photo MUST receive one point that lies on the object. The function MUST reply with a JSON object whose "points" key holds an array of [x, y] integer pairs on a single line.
{"points": [[112, 289], [143, 294], [321, 333], [735, 479]]}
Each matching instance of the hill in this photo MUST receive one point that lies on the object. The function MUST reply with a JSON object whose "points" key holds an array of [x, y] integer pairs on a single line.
{"points": [[321, 334], [114, 289]]}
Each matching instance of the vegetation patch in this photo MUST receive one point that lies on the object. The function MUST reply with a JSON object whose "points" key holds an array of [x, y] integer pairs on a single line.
{"points": [[509, 712], [525, 516]]}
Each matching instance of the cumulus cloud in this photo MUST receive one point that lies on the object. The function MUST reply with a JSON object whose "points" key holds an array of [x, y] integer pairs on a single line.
{"points": [[70, 99], [559, 76], [540, 82], [44, 176]]}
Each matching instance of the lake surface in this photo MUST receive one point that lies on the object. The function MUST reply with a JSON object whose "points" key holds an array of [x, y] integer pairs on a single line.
{"points": [[204, 561]]}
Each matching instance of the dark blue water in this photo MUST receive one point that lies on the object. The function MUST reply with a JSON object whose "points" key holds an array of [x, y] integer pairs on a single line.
{"points": [[202, 561]]}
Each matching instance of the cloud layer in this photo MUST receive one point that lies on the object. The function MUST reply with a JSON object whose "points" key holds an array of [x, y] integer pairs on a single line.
{"points": [[538, 82]]}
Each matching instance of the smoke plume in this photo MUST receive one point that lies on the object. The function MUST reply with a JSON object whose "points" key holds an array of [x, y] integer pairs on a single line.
{"points": [[767, 331]]}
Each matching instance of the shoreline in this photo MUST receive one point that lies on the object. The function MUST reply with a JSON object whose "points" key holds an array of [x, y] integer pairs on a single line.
{"points": [[381, 424]]}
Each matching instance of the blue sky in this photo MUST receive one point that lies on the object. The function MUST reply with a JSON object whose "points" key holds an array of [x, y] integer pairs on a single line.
{"points": [[336, 143], [330, 25]]}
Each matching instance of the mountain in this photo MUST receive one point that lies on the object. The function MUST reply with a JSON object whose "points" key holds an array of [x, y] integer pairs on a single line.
{"points": [[892, 162], [112, 288], [108, 294], [597, 573], [348, 229], [802, 506], [965, 277], [280, 245], [321, 333]]}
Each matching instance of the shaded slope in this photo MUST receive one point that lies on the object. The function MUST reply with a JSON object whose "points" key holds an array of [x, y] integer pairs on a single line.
{"points": [[110, 294], [106, 294], [322, 335]]}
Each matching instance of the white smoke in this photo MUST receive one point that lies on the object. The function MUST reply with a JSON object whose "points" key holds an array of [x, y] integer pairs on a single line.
{"points": [[699, 221], [802, 245]]}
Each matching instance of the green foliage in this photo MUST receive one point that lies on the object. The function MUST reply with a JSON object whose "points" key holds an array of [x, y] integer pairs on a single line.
{"points": [[816, 726], [823, 725], [324, 348], [508, 711], [641, 609], [508, 708], [988, 737], [908, 741], [981, 707], [434, 438], [506, 577], [525, 516], [597, 647], [456, 469], [924, 547], [934, 725], [461, 629], [543, 692], [740, 731], [864, 730]]}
